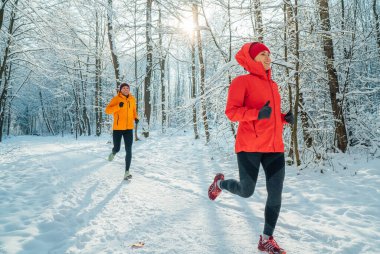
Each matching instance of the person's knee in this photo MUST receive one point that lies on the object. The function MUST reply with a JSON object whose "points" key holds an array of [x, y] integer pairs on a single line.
{"points": [[274, 200], [128, 150], [247, 192]]}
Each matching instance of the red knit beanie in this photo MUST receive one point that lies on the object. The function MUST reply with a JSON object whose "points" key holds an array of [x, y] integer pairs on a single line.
{"points": [[256, 48]]}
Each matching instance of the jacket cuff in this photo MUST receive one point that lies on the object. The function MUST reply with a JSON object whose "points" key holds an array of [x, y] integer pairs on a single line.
{"points": [[283, 118], [251, 114]]}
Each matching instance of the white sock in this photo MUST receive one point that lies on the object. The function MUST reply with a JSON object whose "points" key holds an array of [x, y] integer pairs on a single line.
{"points": [[218, 184], [265, 237]]}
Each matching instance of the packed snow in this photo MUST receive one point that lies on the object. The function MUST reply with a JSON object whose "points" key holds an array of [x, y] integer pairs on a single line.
{"points": [[61, 195]]}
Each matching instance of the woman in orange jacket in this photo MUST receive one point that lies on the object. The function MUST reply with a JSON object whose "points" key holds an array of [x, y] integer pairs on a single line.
{"points": [[254, 102], [123, 108]]}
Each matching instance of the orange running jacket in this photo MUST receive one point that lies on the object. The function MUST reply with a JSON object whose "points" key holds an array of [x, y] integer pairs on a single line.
{"points": [[124, 117]]}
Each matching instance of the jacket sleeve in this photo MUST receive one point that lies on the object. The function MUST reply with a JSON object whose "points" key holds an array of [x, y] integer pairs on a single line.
{"points": [[113, 106], [235, 109]]}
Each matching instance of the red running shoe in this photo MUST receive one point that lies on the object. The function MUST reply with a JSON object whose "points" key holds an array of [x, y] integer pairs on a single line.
{"points": [[270, 246], [214, 190]]}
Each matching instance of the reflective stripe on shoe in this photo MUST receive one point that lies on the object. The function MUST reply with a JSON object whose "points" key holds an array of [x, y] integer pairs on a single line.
{"points": [[270, 246]]}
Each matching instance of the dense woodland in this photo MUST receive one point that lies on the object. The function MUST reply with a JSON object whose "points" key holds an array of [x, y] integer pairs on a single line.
{"points": [[61, 61]]}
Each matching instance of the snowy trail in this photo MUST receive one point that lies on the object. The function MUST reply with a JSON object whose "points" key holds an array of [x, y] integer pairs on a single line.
{"points": [[59, 195]]}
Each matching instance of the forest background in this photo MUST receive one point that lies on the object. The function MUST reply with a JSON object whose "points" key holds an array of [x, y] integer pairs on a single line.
{"points": [[61, 61]]}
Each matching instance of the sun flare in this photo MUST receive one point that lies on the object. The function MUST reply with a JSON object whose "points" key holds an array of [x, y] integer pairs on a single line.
{"points": [[187, 26]]}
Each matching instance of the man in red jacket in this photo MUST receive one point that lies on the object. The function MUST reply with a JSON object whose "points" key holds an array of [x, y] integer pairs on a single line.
{"points": [[254, 102]]}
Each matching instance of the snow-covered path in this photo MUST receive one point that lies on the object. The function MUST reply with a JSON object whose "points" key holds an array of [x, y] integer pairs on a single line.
{"points": [[59, 195]]}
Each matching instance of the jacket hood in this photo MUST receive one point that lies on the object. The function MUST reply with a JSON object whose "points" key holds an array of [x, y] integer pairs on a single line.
{"points": [[245, 60]]}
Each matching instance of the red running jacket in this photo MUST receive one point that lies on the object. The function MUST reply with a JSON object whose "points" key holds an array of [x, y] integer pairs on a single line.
{"points": [[246, 96]]}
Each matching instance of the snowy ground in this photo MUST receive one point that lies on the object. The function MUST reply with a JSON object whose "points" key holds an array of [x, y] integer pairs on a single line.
{"points": [[59, 195]]}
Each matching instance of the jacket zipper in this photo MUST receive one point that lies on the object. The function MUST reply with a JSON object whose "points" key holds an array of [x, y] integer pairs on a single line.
{"points": [[129, 106], [274, 112]]}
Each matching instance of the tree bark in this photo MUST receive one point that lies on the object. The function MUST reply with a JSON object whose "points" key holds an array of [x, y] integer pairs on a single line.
{"points": [[2, 9], [3, 101], [8, 119], [98, 85], [4, 64], [259, 27], [286, 53], [226, 56], [149, 65], [292, 39], [328, 48], [232, 126], [377, 25], [111, 38], [202, 72], [162, 63], [137, 95], [294, 49], [45, 116], [194, 83]]}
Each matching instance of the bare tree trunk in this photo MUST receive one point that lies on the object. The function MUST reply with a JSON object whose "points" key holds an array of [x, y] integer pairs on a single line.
{"points": [[4, 64], [78, 126], [194, 84], [290, 94], [169, 94], [98, 85], [232, 126], [82, 94], [85, 117], [348, 49], [377, 25], [162, 73], [44, 115], [8, 120], [259, 28], [308, 139], [226, 56], [293, 40], [7, 49], [202, 72], [136, 75], [149, 65], [115, 59], [340, 127], [2, 9], [3, 101]]}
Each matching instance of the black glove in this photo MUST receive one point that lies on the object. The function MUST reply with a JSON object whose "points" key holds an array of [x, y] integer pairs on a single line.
{"points": [[265, 111], [137, 120], [121, 104], [289, 117]]}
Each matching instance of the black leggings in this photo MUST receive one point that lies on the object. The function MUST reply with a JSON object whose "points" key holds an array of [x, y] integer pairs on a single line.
{"points": [[128, 140], [274, 168]]}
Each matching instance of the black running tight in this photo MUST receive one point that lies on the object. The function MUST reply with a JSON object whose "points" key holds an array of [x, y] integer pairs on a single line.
{"points": [[128, 140], [274, 168]]}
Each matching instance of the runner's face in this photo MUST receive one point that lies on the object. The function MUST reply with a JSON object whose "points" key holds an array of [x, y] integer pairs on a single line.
{"points": [[264, 58], [125, 90]]}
